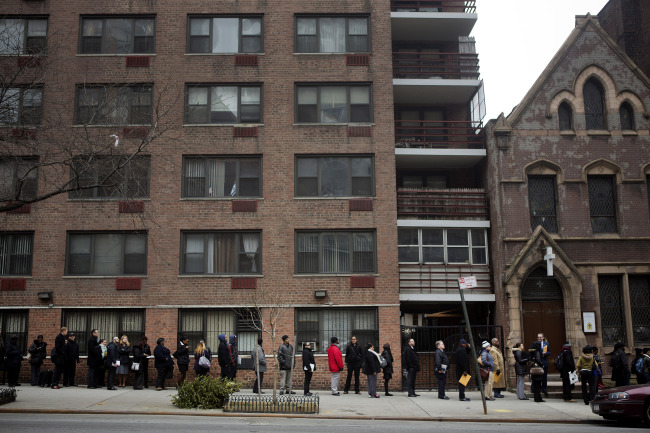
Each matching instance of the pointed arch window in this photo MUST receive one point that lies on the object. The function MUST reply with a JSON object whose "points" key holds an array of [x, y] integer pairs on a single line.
{"points": [[626, 114], [594, 97], [565, 116]]}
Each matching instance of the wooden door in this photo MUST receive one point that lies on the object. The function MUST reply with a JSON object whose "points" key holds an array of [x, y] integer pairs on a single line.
{"points": [[546, 317]]}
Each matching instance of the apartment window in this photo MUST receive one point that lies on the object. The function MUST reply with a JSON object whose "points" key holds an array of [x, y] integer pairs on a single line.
{"points": [[206, 325], [114, 105], [318, 325], [626, 115], [223, 35], [594, 98], [23, 36], [18, 178], [602, 204], [217, 177], [21, 106], [565, 116], [335, 252], [104, 176], [640, 303], [541, 197], [16, 253], [108, 322], [612, 316], [14, 322], [442, 246], [117, 35], [223, 104], [333, 103], [106, 253], [334, 176], [334, 34], [221, 252]]}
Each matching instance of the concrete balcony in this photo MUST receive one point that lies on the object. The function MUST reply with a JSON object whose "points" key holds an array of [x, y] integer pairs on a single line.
{"points": [[457, 204], [427, 282], [432, 20]]}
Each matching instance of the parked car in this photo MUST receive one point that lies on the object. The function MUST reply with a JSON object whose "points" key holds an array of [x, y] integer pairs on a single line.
{"points": [[625, 402]]}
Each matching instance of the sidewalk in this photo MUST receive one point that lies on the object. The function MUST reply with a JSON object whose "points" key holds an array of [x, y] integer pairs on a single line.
{"points": [[399, 407]]}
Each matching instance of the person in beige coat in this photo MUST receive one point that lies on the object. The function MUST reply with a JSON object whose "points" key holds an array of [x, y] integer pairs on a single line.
{"points": [[498, 367]]}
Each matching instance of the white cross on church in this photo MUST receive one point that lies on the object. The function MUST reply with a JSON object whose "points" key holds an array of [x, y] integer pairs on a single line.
{"points": [[549, 261]]}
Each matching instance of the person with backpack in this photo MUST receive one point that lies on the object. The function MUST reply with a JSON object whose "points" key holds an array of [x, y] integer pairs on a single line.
{"points": [[38, 352], [637, 366], [618, 362], [585, 367], [565, 364], [371, 366]]}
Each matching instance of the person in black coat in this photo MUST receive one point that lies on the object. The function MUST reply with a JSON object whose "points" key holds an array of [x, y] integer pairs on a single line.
{"points": [[521, 359], [59, 357], [124, 354], [371, 367], [535, 355], [182, 356], [308, 365], [163, 362], [568, 365], [94, 360], [353, 359], [412, 365], [13, 360], [388, 369], [618, 362], [223, 356], [71, 360], [38, 351], [112, 356], [138, 356], [441, 367], [462, 366], [146, 350]]}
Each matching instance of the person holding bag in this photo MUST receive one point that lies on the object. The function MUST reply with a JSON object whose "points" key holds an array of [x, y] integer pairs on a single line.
{"points": [[38, 352], [536, 370], [521, 359], [136, 366], [370, 367], [308, 365], [585, 366], [202, 359], [441, 365], [487, 362]]}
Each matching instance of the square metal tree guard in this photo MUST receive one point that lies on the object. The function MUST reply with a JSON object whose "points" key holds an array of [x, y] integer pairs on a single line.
{"points": [[7, 395], [252, 403]]}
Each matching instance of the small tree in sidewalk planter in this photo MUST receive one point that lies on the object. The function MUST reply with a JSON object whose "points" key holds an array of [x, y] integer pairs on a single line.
{"points": [[205, 392]]}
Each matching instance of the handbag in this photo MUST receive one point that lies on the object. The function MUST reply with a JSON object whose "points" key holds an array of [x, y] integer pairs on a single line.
{"points": [[485, 373], [536, 371], [135, 366], [204, 362], [573, 377]]}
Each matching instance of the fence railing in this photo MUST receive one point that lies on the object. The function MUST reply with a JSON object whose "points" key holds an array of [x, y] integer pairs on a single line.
{"points": [[428, 65], [424, 278], [432, 134], [268, 404], [453, 204], [463, 6]]}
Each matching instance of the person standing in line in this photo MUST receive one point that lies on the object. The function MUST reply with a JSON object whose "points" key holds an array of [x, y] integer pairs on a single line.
{"points": [[618, 362], [335, 363], [308, 365], [568, 365], [112, 361], [102, 353], [388, 370], [287, 361], [93, 360], [371, 366], [536, 379], [163, 362], [638, 355], [462, 366], [585, 368], [412, 364], [124, 353], [71, 360], [487, 361], [182, 356], [441, 366], [598, 368], [146, 351], [223, 354], [200, 351], [59, 356], [138, 357], [646, 364], [353, 359], [38, 351], [259, 363], [521, 359], [545, 353], [14, 358], [234, 355], [497, 356]]}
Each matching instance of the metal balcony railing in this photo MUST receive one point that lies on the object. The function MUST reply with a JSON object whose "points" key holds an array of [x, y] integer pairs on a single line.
{"points": [[463, 6], [429, 65], [446, 204], [431, 134], [425, 278]]}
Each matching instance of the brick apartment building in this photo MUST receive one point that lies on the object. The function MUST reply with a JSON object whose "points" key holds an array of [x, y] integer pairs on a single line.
{"points": [[569, 172], [219, 150]]}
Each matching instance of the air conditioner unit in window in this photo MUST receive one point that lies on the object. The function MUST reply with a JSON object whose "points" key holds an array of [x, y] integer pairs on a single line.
{"points": [[312, 344]]}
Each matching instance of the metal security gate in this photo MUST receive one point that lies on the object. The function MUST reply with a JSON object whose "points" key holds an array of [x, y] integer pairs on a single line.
{"points": [[425, 345]]}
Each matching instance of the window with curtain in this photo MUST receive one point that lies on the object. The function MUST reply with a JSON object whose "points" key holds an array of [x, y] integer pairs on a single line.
{"points": [[109, 323], [206, 325], [106, 253], [541, 198], [223, 104], [16, 253], [612, 315], [334, 176], [216, 177], [224, 35], [14, 322], [107, 176], [442, 246], [333, 103], [335, 252], [18, 178], [228, 252], [594, 98], [114, 105], [602, 204], [565, 116], [626, 116], [117, 35], [21, 106], [319, 325], [23, 35], [332, 34]]}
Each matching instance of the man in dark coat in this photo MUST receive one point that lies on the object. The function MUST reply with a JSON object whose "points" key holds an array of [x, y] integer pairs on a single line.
{"points": [[287, 361], [223, 355], [71, 360], [182, 356], [12, 363], [568, 365], [59, 356], [620, 369], [163, 362], [234, 355], [112, 358], [441, 367], [94, 359], [38, 351], [412, 367], [353, 359], [308, 365], [462, 366], [144, 365]]}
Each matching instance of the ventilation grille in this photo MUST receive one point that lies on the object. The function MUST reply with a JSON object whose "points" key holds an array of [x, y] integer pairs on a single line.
{"points": [[243, 283], [360, 131], [246, 60], [244, 206], [132, 206], [362, 282], [10, 284], [128, 283], [137, 61], [357, 60]]}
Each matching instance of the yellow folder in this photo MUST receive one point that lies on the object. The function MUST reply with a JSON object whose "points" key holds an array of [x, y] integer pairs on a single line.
{"points": [[497, 377], [464, 380]]}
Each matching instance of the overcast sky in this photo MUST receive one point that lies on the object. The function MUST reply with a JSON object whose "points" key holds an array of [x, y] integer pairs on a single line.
{"points": [[516, 39]]}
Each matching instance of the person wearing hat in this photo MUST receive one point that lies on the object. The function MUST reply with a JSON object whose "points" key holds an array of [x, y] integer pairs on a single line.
{"points": [[462, 366], [335, 363], [567, 365], [488, 363], [618, 362], [497, 356], [71, 355], [14, 358], [287, 361], [38, 352], [223, 356]]}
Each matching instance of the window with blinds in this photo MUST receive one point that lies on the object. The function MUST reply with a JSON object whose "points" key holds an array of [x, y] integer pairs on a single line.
{"points": [[16, 253], [206, 325], [109, 322], [320, 325], [14, 322]]}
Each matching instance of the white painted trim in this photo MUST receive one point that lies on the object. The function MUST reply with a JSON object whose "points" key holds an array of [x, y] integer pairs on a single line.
{"points": [[446, 297], [444, 223]]}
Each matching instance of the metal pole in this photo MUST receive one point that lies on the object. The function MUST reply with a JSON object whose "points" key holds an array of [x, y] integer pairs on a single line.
{"points": [[471, 342]]}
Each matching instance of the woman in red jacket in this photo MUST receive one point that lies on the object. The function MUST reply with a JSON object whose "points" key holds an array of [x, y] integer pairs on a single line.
{"points": [[335, 361]]}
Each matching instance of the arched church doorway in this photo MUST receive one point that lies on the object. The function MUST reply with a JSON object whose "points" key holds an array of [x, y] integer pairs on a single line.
{"points": [[543, 311]]}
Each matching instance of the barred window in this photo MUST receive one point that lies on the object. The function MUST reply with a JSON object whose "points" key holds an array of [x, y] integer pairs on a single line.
{"points": [[104, 176], [565, 116], [109, 323], [334, 176], [14, 322], [446, 246], [23, 36], [222, 35], [335, 252], [594, 98], [332, 34], [626, 115], [18, 178], [541, 196], [320, 325], [114, 105], [227, 252], [640, 302], [214, 177], [117, 35], [206, 325], [223, 104], [612, 316], [106, 253], [16, 253], [21, 106], [602, 204]]}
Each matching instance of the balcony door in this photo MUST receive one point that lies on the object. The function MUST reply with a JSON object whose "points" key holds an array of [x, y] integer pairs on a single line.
{"points": [[421, 128]]}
